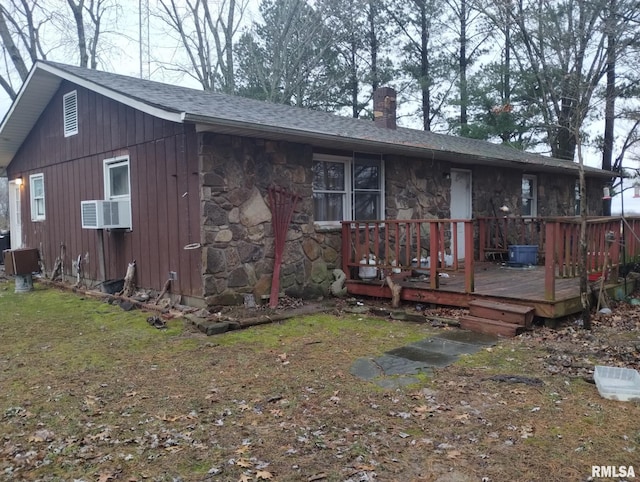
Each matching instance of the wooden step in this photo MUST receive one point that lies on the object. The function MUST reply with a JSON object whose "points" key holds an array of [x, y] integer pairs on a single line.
{"points": [[489, 327], [510, 313]]}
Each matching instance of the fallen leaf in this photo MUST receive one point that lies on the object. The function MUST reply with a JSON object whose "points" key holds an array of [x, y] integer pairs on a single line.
{"points": [[242, 450], [315, 477], [421, 409], [243, 463], [452, 454], [244, 478], [263, 474]]}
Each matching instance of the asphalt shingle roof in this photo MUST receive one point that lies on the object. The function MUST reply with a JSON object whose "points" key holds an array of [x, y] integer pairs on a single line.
{"points": [[214, 108]]}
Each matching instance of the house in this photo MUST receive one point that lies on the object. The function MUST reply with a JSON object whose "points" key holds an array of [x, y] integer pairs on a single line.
{"points": [[178, 180]]}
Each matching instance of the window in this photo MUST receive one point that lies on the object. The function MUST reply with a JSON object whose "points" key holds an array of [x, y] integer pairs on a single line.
{"points": [[36, 188], [116, 178], [529, 196], [70, 113], [347, 188], [576, 204]]}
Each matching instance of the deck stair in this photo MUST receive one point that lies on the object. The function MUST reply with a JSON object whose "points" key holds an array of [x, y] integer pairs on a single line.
{"points": [[495, 318]]}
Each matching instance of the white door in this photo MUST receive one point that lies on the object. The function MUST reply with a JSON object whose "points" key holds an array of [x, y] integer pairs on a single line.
{"points": [[460, 203], [15, 215]]}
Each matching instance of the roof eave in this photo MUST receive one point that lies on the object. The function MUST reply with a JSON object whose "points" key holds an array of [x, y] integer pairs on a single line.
{"points": [[226, 126]]}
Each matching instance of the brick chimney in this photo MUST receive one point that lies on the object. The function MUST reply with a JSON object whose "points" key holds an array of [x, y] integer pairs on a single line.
{"points": [[384, 107]]}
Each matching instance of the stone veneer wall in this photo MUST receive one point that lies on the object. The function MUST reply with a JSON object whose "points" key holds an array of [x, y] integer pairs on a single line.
{"points": [[237, 237]]}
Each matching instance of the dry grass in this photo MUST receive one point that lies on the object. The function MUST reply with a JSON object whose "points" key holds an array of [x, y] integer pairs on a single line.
{"points": [[90, 392]]}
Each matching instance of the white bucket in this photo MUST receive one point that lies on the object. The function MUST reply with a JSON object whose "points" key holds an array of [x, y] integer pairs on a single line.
{"points": [[368, 273], [24, 283]]}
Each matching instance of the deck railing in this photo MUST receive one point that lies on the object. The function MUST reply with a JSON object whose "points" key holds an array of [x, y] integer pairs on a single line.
{"points": [[496, 234], [374, 249]]}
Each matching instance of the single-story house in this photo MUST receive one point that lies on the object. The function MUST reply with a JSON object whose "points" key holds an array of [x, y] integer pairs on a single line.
{"points": [[105, 168]]}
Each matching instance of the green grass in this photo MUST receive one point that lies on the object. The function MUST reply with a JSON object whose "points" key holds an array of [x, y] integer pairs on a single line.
{"points": [[120, 400]]}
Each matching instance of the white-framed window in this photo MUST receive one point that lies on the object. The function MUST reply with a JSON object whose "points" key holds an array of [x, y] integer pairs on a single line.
{"points": [[36, 195], [70, 113], [529, 195], [347, 188], [117, 183]]}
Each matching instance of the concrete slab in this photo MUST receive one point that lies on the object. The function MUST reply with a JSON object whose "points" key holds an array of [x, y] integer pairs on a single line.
{"points": [[464, 336], [395, 365], [425, 356], [366, 369], [447, 347], [394, 368]]}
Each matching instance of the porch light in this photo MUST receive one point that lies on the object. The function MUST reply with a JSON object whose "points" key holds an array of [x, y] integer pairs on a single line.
{"points": [[636, 189], [18, 181], [606, 192]]}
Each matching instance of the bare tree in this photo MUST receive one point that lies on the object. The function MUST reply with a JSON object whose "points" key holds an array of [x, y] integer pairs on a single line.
{"points": [[37, 29], [20, 37], [206, 34]]}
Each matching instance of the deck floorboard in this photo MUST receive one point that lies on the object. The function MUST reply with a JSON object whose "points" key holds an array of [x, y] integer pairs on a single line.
{"points": [[492, 281]]}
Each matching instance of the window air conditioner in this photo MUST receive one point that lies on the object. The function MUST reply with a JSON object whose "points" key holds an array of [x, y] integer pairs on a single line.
{"points": [[103, 214]]}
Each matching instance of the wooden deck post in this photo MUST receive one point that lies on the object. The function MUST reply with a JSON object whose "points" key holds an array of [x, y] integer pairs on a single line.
{"points": [[482, 238], [346, 249], [551, 230], [434, 244], [468, 257]]}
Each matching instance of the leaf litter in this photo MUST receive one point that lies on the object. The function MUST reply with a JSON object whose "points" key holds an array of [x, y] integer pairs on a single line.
{"points": [[248, 419]]}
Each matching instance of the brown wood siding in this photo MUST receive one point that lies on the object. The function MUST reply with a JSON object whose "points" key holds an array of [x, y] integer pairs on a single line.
{"points": [[164, 191]]}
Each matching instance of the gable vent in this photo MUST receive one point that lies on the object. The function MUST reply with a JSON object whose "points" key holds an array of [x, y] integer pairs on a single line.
{"points": [[70, 113]]}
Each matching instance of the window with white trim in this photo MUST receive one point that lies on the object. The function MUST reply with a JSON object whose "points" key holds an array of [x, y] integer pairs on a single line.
{"points": [[347, 188], [70, 113], [36, 195], [116, 178], [529, 195]]}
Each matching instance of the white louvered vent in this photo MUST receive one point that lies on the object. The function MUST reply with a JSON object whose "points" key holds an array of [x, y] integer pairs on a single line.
{"points": [[70, 113], [99, 214]]}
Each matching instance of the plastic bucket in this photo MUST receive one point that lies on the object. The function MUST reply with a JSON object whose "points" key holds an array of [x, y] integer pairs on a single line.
{"points": [[24, 283]]}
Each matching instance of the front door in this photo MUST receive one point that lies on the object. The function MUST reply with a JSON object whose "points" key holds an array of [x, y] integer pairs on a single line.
{"points": [[460, 203], [15, 215]]}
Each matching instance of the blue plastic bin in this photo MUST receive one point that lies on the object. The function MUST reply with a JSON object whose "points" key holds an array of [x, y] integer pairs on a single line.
{"points": [[523, 254]]}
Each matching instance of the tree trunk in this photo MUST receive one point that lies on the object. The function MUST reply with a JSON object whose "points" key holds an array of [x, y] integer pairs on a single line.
{"points": [[585, 293], [425, 75], [610, 101], [464, 93]]}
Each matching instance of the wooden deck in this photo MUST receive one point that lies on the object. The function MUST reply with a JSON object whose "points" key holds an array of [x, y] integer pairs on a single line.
{"points": [[493, 282], [461, 271]]}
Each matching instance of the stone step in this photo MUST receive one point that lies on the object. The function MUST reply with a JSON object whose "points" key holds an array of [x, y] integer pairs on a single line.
{"points": [[507, 312], [489, 327]]}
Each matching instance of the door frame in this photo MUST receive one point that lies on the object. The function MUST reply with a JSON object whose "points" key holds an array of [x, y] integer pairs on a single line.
{"points": [[15, 213], [460, 229]]}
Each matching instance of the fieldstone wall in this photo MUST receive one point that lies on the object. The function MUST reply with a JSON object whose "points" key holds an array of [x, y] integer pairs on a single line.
{"points": [[417, 189], [237, 235], [237, 238]]}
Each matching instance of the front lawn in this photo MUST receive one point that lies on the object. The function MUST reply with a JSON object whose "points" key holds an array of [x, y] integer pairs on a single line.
{"points": [[90, 392]]}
